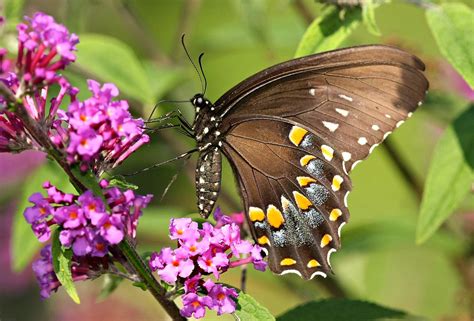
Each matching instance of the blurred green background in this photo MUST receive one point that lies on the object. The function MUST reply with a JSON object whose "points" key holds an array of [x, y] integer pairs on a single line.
{"points": [[136, 44]]}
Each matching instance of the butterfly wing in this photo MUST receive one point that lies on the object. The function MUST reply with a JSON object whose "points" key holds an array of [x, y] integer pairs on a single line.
{"points": [[293, 132], [294, 196]]}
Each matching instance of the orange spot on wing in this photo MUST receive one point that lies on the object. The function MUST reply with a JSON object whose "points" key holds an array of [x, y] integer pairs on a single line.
{"points": [[297, 134]]}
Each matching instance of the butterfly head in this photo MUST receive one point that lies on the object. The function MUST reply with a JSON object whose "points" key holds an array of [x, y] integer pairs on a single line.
{"points": [[200, 102]]}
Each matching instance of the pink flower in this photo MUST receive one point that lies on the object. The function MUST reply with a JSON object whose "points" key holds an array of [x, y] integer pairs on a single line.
{"points": [[175, 263], [102, 131], [211, 262], [195, 305], [183, 229], [112, 229], [223, 299], [206, 250], [70, 216], [192, 284], [85, 143]]}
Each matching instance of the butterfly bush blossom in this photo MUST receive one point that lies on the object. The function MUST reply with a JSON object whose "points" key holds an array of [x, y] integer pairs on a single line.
{"points": [[97, 133], [87, 224], [102, 131], [204, 251]]}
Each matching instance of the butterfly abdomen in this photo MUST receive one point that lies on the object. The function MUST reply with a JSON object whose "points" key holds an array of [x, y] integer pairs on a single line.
{"points": [[208, 180]]}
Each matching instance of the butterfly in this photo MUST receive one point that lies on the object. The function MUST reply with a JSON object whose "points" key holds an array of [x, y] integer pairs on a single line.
{"points": [[292, 133]]}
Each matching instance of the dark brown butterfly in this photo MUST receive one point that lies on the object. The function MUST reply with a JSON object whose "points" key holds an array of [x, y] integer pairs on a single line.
{"points": [[292, 133]]}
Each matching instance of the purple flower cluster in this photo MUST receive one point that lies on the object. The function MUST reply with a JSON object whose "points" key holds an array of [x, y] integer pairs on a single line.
{"points": [[102, 131], [98, 133], [88, 225], [44, 47], [204, 251]]}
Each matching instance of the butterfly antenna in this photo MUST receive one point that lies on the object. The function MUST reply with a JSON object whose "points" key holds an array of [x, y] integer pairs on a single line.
{"points": [[192, 62], [203, 74]]}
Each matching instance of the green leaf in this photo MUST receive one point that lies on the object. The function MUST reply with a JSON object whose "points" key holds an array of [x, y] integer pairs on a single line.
{"points": [[163, 79], [368, 17], [250, 310], [113, 61], [328, 31], [452, 25], [62, 267], [24, 242], [342, 310], [13, 9], [449, 177], [111, 283]]}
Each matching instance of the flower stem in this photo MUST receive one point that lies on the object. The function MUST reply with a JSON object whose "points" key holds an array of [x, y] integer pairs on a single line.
{"points": [[145, 274], [83, 183]]}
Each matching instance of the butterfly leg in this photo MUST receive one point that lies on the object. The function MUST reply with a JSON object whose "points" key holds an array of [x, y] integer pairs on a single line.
{"points": [[184, 125], [183, 155]]}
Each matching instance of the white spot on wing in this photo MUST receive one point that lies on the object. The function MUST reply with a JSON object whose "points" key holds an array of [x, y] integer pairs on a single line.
{"points": [[399, 123], [372, 148], [331, 126], [343, 112], [312, 91], [355, 164], [362, 141], [346, 156], [345, 198], [388, 116], [346, 97], [410, 114], [340, 228], [318, 273], [420, 103], [291, 271], [375, 127], [331, 251], [386, 134], [344, 168]]}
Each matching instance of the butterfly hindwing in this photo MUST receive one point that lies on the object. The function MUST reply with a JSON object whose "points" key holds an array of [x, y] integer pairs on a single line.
{"points": [[294, 193]]}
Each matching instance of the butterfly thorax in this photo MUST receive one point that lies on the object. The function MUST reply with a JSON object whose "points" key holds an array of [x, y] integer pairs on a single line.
{"points": [[208, 140]]}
